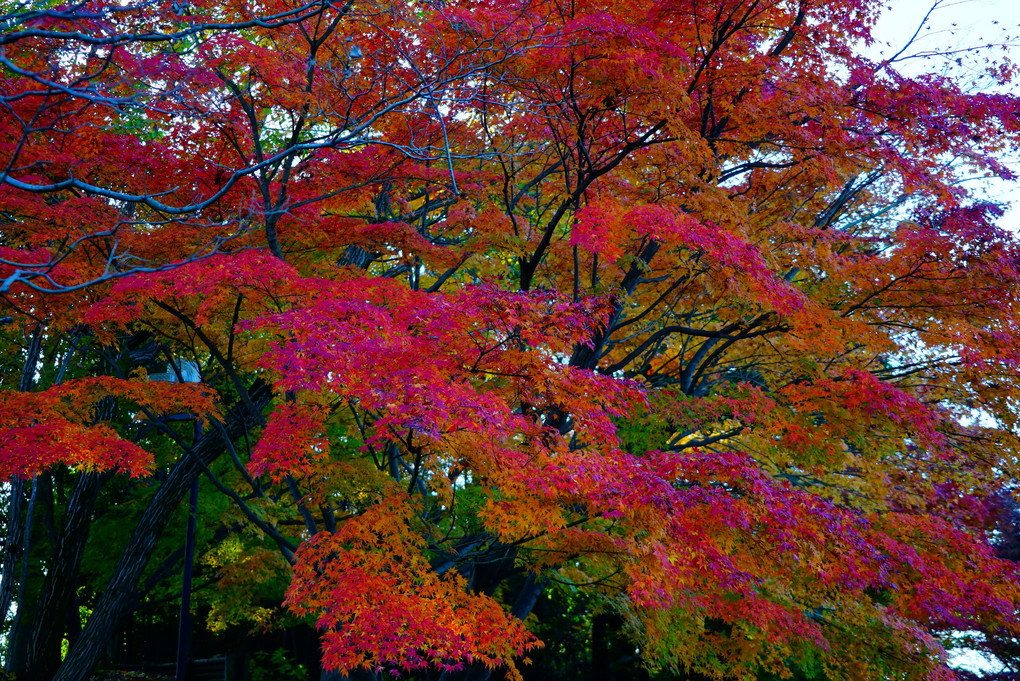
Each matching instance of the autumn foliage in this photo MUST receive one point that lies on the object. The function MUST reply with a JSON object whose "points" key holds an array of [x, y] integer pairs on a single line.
{"points": [[679, 304]]}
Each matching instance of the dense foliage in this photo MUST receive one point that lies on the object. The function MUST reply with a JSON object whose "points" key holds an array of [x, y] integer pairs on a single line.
{"points": [[484, 320]]}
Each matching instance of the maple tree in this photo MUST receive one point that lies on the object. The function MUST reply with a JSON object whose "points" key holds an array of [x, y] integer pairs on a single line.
{"points": [[680, 303]]}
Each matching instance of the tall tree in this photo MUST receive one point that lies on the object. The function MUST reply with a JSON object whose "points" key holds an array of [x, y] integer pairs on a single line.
{"points": [[679, 302]]}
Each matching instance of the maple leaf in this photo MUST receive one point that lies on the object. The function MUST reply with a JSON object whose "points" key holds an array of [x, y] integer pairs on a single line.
{"points": [[680, 308]]}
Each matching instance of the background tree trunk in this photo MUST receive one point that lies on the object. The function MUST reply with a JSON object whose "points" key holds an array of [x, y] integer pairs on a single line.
{"points": [[12, 547], [119, 597], [35, 641]]}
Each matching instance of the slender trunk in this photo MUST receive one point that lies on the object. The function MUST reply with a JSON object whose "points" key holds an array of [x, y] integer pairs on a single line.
{"points": [[15, 529], [119, 597], [357, 675], [528, 596], [184, 628], [18, 635], [12, 547], [72, 619], [613, 654], [36, 647], [601, 657], [522, 607]]}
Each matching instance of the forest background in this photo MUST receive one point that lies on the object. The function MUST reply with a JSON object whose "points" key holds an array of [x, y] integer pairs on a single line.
{"points": [[559, 339]]}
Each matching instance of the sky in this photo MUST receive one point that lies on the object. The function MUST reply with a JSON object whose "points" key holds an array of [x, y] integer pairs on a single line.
{"points": [[956, 24]]}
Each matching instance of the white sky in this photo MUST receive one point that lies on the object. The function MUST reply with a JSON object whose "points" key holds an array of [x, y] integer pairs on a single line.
{"points": [[957, 24]]}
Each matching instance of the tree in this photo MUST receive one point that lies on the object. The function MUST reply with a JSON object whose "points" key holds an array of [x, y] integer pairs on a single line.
{"points": [[681, 304]]}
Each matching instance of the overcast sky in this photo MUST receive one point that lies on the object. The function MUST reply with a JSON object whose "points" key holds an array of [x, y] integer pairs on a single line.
{"points": [[957, 24]]}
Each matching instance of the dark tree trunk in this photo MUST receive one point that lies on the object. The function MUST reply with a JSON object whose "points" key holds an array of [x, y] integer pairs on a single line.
{"points": [[35, 642], [522, 607], [13, 541], [613, 653], [358, 675], [601, 657], [18, 632], [12, 547], [119, 598]]}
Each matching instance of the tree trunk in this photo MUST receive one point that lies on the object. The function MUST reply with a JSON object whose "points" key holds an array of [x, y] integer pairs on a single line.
{"points": [[12, 547], [601, 658], [357, 675], [17, 628], [523, 605], [35, 641], [119, 597]]}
